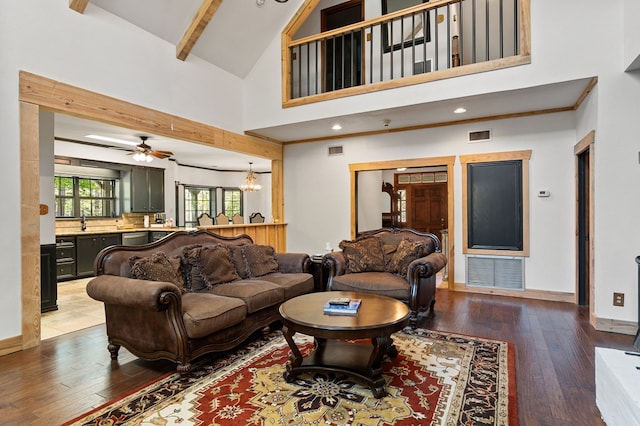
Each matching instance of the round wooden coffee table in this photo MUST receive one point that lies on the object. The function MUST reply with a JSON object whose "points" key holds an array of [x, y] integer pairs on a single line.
{"points": [[377, 318]]}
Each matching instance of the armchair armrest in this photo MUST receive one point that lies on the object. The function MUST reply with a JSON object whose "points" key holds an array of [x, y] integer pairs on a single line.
{"points": [[293, 262], [426, 266], [133, 293]]}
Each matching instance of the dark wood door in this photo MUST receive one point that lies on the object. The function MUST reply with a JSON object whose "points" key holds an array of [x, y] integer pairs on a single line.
{"points": [[427, 210], [342, 54]]}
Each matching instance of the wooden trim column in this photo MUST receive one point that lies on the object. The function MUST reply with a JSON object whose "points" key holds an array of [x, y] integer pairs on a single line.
{"points": [[30, 223]]}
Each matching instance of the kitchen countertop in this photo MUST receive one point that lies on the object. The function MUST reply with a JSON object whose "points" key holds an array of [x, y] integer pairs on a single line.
{"points": [[114, 230]]}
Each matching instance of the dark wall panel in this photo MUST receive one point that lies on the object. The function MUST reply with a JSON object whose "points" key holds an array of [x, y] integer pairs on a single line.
{"points": [[495, 205]]}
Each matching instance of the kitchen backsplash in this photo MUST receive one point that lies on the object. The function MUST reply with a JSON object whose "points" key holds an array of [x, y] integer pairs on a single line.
{"points": [[128, 220]]}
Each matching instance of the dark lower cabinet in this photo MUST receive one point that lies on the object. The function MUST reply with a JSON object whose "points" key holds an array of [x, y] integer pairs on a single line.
{"points": [[48, 281], [87, 248]]}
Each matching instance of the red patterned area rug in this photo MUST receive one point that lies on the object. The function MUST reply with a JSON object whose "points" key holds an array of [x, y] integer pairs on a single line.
{"points": [[437, 379]]}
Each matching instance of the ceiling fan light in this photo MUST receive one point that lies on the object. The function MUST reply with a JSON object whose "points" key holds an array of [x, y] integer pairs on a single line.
{"points": [[148, 158]]}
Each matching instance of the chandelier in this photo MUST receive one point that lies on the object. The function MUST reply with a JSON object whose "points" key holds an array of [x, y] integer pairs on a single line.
{"points": [[251, 181]]}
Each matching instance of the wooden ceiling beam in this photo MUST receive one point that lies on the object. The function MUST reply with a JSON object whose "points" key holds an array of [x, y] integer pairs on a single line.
{"points": [[78, 5], [199, 23]]}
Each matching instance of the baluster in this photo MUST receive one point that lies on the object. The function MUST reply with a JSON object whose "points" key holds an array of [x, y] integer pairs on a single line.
{"points": [[486, 24], [473, 31], [501, 29]]}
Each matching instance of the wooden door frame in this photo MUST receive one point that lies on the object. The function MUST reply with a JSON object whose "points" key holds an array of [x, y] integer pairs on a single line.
{"points": [[586, 144], [36, 92], [409, 163]]}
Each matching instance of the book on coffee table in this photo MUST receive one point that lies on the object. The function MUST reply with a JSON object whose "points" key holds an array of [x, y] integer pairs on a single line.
{"points": [[350, 308]]}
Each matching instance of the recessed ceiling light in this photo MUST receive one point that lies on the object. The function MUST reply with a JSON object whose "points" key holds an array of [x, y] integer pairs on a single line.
{"points": [[336, 127], [459, 110], [114, 140], [401, 169]]}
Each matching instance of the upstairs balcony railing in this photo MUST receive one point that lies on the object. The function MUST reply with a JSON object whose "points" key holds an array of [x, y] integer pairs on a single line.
{"points": [[430, 41]]}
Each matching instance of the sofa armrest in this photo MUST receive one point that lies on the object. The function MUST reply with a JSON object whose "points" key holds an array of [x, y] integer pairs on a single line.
{"points": [[426, 266], [134, 293], [335, 263], [290, 263]]}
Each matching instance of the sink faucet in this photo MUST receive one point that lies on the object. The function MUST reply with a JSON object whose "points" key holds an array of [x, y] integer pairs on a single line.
{"points": [[83, 222]]}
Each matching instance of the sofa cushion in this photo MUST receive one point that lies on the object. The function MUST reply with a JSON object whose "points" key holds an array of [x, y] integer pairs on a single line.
{"points": [[204, 313], [257, 294], [363, 255], [261, 259], [157, 267], [407, 252], [215, 265], [294, 284], [383, 283], [239, 262]]}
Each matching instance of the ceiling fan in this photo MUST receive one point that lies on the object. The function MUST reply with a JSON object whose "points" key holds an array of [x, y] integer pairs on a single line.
{"points": [[143, 152]]}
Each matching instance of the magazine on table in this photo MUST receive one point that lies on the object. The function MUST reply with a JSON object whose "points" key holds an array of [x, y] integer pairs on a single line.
{"points": [[342, 306]]}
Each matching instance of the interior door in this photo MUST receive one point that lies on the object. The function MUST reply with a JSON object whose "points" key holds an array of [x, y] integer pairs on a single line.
{"points": [[428, 208], [584, 252], [342, 56]]}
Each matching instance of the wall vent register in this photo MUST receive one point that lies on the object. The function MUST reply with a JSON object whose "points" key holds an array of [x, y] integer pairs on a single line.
{"points": [[496, 272]]}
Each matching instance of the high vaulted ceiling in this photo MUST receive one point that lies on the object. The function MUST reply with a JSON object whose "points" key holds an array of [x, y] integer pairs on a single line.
{"points": [[230, 34]]}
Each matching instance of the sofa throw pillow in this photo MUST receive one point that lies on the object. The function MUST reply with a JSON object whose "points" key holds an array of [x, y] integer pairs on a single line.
{"points": [[407, 251], [157, 267], [194, 281], [363, 255], [239, 261], [216, 266], [261, 259]]}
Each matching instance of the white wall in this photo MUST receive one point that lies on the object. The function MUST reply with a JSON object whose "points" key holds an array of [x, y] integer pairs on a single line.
{"points": [[550, 137], [631, 35], [370, 200], [559, 52], [98, 52], [47, 195]]}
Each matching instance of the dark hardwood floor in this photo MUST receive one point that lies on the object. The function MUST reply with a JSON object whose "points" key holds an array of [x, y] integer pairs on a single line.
{"points": [[71, 374]]}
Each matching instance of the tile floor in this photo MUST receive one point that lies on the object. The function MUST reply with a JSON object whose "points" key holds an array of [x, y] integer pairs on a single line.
{"points": [[76, 310]]}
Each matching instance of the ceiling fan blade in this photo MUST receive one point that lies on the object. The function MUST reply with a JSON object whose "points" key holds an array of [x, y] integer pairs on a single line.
{"points": [[163, 152], [159, 154]]}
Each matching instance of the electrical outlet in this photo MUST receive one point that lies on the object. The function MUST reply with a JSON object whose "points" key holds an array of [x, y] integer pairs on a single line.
{"points": [[618, 299]]}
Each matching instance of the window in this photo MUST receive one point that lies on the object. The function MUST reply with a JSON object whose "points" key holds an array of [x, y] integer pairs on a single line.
{"points": [[232, 202], [64, 196], [90, 197], [198, 200], [402, 205]]}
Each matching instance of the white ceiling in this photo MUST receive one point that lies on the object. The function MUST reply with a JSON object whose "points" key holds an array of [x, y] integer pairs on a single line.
{"points": [[186, 153], [237, 26]]}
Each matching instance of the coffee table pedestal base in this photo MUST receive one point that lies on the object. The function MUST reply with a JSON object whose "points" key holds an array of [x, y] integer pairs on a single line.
{"points": [[360, 360]]}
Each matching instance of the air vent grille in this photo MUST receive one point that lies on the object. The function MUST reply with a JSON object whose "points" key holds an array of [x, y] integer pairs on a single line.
{"points": [[480, 136], [336, 150], [497, 272]]}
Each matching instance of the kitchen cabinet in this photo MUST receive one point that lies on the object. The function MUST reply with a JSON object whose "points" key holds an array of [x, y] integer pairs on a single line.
{"points": [[87, 248], [65, 258], [147, 190], [48, 281]]}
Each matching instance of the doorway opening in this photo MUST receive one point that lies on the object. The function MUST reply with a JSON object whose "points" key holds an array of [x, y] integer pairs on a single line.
{"points": [[584, 221], [342, 54]]}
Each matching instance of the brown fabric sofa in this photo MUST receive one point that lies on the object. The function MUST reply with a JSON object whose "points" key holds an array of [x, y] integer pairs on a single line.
{"points": [[193, 293], [397, 262]]}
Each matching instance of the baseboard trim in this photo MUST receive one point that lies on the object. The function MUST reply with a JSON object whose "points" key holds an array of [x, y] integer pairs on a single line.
{"points": [[616, 326], [525, 294], [10, 345]]}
